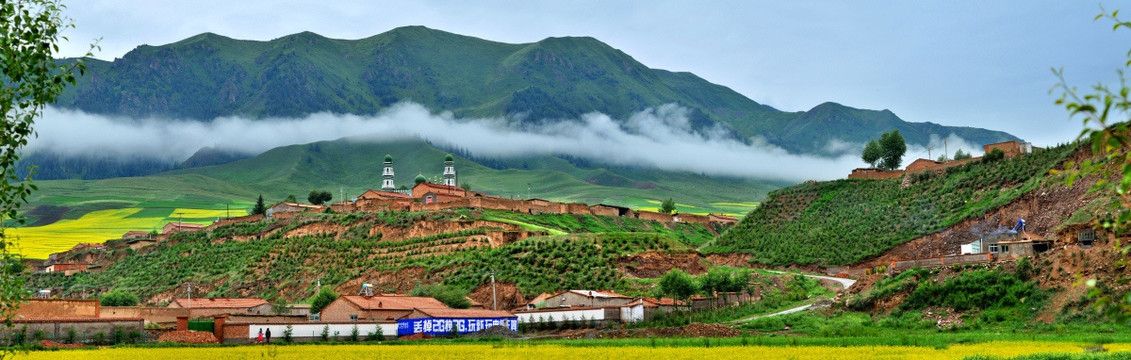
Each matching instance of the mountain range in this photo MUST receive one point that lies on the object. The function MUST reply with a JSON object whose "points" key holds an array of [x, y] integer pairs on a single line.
{"points": [[557, 79]]}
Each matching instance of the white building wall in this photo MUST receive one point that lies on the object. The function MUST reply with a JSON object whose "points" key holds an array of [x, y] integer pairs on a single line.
{"points": [[315, 330], [632, 313], [561, 315]]}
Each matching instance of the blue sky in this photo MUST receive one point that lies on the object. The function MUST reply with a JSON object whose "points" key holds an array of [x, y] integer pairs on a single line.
{"points": [[965, 63]]}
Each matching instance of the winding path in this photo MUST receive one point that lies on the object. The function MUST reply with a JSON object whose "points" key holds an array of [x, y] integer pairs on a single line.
{"points": [[847, 283]]}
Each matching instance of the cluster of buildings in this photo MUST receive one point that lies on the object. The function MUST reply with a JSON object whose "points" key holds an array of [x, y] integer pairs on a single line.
{"points": [[423, 196], [426, 196], [1009, 149], [241, 320]]}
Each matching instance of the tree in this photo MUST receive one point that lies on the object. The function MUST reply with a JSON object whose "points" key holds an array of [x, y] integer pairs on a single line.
{"points": [[667, 206], [962, 155], [319, 197], [994, 155], [872, 153], [325, 297], [892, 148], [449, 295], [260, 208], [677, 284], [30, 79], [1106, 116], [119, 298], [291, 198], [465, 186]]}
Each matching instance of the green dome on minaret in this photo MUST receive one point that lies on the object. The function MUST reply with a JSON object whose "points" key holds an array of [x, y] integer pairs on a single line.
{"points": [[388, 158], [420, 179], [448, 158]]}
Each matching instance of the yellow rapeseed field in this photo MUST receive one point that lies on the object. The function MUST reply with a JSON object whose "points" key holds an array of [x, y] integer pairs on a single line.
{"points": [[98, 226], [534, 351]]}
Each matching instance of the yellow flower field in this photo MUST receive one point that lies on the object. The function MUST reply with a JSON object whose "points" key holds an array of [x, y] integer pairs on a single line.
{"points": [[465, 352], [99, 226]]}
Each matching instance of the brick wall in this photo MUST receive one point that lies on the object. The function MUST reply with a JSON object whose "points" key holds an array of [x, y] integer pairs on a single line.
{"points": [[158, 315], [58, 308], [874, 174], [654, 216], [85, 329]]}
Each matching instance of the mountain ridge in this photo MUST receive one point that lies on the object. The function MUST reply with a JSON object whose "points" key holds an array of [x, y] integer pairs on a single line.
{"points": [[209, 75]]}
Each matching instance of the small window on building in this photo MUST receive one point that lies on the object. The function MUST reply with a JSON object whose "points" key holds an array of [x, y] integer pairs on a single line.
{"points": [[315, 317], [353, 317], [1086, 237], [1005, 248], [993, 248]]}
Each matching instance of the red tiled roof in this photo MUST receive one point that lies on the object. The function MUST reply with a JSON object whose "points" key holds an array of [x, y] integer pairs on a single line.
{"points": [[221, 303], [375, 194], [664, 301], [383, 302], [446, 190], [464, 313], [132, 234]]}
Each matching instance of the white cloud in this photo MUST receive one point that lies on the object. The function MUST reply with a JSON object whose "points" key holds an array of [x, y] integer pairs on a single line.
{"points": [[659, 138]]}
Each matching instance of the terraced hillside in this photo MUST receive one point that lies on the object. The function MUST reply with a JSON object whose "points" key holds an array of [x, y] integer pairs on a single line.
{"points": [[844, 221], [395, 251]]}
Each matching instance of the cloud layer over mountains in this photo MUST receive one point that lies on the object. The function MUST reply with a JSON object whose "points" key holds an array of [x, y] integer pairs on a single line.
{"points": [[657, 137]]}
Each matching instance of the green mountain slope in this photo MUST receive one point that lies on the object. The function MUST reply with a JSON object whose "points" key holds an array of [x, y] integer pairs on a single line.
{"points": [[845, 221], [208, 75], [354, 165]]}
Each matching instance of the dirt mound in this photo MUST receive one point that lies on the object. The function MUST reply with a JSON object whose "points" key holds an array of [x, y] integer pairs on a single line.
{"points": [[58, 345], [417, 336], [497, 330], [693, 330], [655, 264], [189, 337], [507, 294]]}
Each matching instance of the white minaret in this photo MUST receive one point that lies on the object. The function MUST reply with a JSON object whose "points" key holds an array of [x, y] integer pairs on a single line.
{"points": [[449, 171], [387, 184]]}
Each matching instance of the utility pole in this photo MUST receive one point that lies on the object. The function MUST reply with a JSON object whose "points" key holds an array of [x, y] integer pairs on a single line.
{"points": [[944, 151], [227, 211], [494, 295], [189, 297]]}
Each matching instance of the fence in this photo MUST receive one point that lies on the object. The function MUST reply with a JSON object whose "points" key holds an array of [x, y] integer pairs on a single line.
{"points": [[202, 325]]}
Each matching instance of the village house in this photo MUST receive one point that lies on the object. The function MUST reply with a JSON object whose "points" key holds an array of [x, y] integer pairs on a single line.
{"points": [[67, 269], [591, 298], [286, 210], [1010, 148], [55, 318], [206, 307], [175, 227], [384, 195], [135, 234], [721, 219], [376, 308]]}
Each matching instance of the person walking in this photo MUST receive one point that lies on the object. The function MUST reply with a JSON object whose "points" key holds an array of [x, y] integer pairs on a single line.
{"points": [[259, 339], [268, 333]]}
